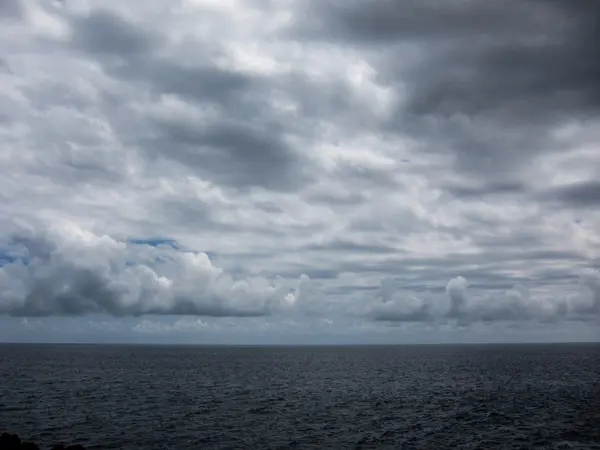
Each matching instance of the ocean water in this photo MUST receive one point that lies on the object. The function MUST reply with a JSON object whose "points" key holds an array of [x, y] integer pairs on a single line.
{"points": [[434, 397]]}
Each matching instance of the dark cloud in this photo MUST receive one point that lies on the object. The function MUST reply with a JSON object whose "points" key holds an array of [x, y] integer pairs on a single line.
{"points": [[72, 292], [200, 83], [362, 176], [383, 21], [104, 33], [486, 190], [585, 194], [489, 55], [347, 246], [11, 9], [349, 199], [421, 314], [231, 150], [486, 81], [238, 154]]}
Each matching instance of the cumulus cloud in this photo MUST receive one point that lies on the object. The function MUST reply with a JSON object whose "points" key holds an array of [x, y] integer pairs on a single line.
{"points": [[457, 291], [590, 282], [514, 304], [75, 272], [395, 305]]}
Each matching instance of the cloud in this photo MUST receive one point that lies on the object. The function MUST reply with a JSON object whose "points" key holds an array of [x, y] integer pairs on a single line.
{"points": [[223, 146], [507, 57], [590, 281], [516, 304], [182, 325], [392, 304], [308, 162], [103, 32], [227, 153], [484, 83], [74, 272], [456, 290], [11, 9], [583, 194]]}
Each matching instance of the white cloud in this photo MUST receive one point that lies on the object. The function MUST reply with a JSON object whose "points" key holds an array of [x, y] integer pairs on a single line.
{"points": [[70, 271]]}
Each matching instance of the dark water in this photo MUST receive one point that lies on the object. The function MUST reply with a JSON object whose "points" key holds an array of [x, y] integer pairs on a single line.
{"points": [[528, 396]]}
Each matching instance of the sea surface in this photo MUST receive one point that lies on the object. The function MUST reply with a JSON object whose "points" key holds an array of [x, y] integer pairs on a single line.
{"points": [[409, 397]]}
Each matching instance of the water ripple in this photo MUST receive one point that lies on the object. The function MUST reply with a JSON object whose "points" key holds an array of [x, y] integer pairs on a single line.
{"points": [[471, 397]]}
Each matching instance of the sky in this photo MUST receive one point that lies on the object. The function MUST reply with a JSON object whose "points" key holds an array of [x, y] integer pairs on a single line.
{"points": [[299, 171]]}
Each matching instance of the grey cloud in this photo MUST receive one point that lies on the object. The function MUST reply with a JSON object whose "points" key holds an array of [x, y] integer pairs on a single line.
{"points": [[350, 199], [348, 246], [514, 304], [584, 194], [489, 54], [393, 304], [231, 153], [70, 292], [590, 280], [105, 33], [321, 274], [486, 190], [201, 83], [67, 277], [191, 211], [456, 290], [490, 79], [364, 176], [383, 21], [421, 314], [319, 99], [167, 142], [11, 9], [230, 150]]}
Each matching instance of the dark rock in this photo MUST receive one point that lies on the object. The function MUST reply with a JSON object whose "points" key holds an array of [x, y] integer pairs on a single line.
{"points": [[13, 442], [28, 446], [9, 441]]}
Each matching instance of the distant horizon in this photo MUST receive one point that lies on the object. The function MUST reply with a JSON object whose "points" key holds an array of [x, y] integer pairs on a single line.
{"points": [[316, 344]]}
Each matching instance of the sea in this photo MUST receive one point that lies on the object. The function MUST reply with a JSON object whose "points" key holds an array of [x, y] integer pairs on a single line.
{"points": [[347, 397]]}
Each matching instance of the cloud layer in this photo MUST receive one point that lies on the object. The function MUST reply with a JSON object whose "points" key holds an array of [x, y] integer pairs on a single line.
{"points": [[319, 162]]}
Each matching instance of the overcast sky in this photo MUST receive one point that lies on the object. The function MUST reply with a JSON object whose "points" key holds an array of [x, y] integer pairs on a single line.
{"points": [[299, 171]]}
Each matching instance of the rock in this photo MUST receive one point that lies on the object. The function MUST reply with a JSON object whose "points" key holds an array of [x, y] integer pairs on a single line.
{"points": [[28, 446], [9, 441], [13, 442]]}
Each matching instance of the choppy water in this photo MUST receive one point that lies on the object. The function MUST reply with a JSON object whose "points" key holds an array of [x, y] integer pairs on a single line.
{"points": [[150, 397]]}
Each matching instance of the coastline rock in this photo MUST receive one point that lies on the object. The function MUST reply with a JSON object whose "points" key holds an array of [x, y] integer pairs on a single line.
{"points": [[14, 442]]}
